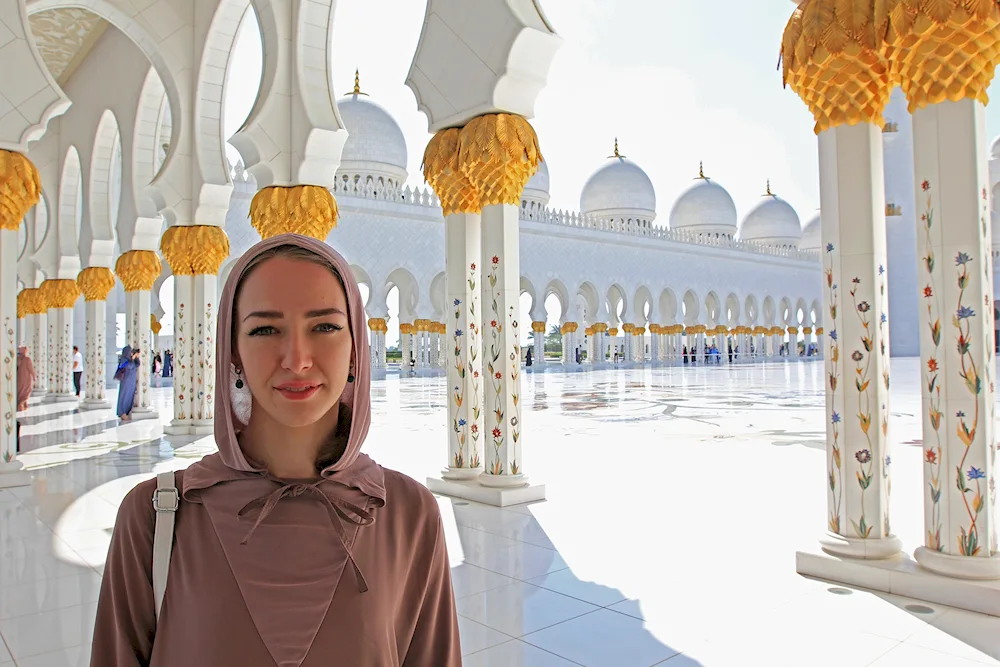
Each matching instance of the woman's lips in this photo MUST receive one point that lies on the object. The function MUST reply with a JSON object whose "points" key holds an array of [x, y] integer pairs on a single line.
{"points": [[297, 392]]}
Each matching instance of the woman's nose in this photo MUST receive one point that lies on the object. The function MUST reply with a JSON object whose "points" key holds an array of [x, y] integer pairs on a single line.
{"points": [[298, 354]]}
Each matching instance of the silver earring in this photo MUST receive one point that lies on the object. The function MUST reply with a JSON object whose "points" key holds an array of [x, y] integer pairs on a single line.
{"points": [[239, 395]]}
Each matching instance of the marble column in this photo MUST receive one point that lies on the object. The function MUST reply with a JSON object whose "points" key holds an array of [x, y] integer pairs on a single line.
{"points": [[857, 386], [95, 283], [195, 254], [39, 325], [60, 295], [955, 273], [463, 242], [376, 342], [503, 461], [538, 343], [138, 270], [11, 470], [639, 345], [629, 341], [405, 347], [21, 189], [569, 332], [655, 345]]}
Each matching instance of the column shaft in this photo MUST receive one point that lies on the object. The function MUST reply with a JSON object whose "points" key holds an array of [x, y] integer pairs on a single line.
{"points": [[956, 340], [40, 351], [206, 310], [501, 346], [9, 467], [857, 387], [138, 335], [463, 243], [183, 351], [94, 355]]}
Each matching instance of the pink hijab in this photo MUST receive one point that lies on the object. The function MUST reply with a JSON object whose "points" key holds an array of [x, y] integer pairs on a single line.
{"points": [[289, 542]]}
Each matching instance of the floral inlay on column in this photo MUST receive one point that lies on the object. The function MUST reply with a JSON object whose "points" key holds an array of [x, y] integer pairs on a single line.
{"points": [[835, 472], [862, 366]]}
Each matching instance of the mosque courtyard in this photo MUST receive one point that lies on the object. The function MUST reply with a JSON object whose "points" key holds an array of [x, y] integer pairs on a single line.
{"points": [[677, 498]]}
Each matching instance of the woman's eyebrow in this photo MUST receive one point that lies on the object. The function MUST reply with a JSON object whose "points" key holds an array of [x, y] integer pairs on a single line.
{"points": [[266, 314], [325, 311], [277, 315]]}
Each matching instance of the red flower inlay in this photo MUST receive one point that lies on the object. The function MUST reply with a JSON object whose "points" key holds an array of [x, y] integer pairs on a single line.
{"points": [[473, 267], [493, 323], [496, 432], [496, 260], [928, 292], [475, 374], [930, 456], [932, 365], [925, 186], [499, 376]]}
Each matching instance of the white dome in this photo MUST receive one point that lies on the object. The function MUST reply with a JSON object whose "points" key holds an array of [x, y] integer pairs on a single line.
{"points": [[705, 207], [812, 235], [374, 139], [537, 187], [772, 222], [995, 149], [620, 188]]}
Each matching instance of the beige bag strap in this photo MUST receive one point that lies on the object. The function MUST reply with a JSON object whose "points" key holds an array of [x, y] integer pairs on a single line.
{"points": [[166, 500]]}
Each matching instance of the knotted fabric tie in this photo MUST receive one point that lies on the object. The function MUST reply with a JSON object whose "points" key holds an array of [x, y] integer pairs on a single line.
{"points": [[337, 507]]}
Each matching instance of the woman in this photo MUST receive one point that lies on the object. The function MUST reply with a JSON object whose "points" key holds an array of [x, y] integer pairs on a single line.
{"points": [[127, 373], [292, 548]]}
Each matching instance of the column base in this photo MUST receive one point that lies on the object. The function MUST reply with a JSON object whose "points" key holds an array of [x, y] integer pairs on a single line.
{"points": [[901, 575], [38, 392], [870, 549], [94, 404], [142, 414], [178, 427], [378, 373], [202, 427], [13, 475], [456, 474], [60, 398], [471, 489], [959, 567]]}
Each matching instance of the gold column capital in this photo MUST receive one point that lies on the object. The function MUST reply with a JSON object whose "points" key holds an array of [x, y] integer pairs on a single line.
{"points": [[96, 283], [32, 301], [538, 327], [309, 210], [406, 328], [138, 270], [60, 293], [195, 250], [154, 325], [442, 172], [944, 50], [377, 324], [20, 188], [833, 57], [499, 152]]}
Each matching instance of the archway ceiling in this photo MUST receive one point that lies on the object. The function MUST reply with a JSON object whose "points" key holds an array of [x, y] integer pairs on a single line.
{"points": [[64, 37]]}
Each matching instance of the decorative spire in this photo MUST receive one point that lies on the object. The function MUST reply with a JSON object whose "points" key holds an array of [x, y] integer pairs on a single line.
{"points": [[701, 172], [357, 85], [617, 154], [768, 193]]}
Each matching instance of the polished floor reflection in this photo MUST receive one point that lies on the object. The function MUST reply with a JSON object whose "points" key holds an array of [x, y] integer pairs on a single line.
{"points": [[677, 499]]}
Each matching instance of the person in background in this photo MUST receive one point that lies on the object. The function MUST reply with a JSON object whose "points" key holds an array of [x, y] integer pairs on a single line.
{"points": [[77, 369], [168, 361], [127, 374], [527, 358], [25, 381]]}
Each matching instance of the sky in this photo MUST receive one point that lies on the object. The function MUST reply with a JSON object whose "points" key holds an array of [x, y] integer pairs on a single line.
{"points": [[676, 82]]}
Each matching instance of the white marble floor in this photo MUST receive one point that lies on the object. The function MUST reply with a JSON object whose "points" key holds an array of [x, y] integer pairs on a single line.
{"points": [[677, 499]]}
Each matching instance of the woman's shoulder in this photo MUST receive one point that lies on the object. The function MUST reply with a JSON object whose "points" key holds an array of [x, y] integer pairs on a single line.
{"points": [[137, 506], [409, 496]]}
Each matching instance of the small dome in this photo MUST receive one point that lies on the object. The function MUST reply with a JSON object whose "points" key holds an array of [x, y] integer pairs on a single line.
{"points": [[772, 222], [812, 235], [375, 144], [537, 187], [704, 207], [619, 188], [995, 149]]}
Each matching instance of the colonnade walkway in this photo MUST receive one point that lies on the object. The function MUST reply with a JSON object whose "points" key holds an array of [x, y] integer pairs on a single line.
{"points": [[677, 498]]}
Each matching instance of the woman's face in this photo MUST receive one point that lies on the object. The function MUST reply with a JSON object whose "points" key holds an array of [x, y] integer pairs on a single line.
{"points": [[293, 341]]}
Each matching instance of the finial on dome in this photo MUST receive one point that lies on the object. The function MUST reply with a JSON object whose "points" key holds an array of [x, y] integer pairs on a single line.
{"points": [[357, 84], [768, 193], [617, 154], [701, 171]]}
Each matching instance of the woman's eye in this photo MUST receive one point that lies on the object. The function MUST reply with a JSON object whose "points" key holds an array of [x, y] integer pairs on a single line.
{"points": [[261, 331], [326, 327]]}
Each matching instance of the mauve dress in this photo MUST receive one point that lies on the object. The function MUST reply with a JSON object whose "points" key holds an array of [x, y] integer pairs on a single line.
{"points": [[403, 620]]}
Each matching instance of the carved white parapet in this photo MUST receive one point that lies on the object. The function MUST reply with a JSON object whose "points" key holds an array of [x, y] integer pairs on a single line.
{"points": [[29, 96], [502, 69], [294, 135]]}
